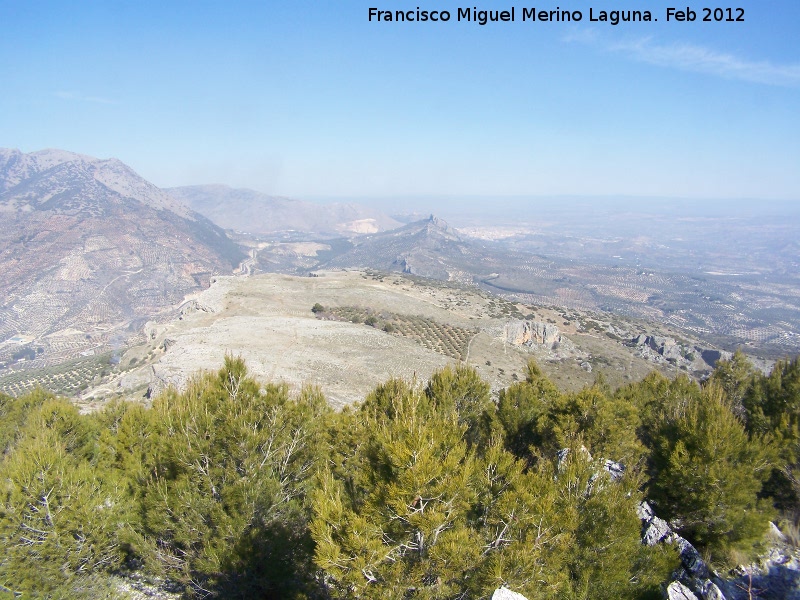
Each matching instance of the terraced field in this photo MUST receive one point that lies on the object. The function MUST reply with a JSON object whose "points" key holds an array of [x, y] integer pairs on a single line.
{"points": [[449, 340], [68, 378]]}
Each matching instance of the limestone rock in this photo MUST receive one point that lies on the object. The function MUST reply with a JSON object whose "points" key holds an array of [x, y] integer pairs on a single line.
{"points": [[672, 352], [777, 577], [691, 560], [665, 346], [656, 530], [711, 357], [503, 593], [678, 591], [526, 333], [657, 342], [615, 469], [193, 306], [644, 511], [710, 591], [693, 581]]}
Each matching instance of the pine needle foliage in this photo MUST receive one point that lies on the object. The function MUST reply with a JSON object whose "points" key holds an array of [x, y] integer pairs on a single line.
{"points": [[707, 472], [60, 516], [225, 481], [434, 514], [234, 488]]}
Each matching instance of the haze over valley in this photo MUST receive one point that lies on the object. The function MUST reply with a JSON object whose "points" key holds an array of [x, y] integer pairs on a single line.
{"points": [[96, 259]]}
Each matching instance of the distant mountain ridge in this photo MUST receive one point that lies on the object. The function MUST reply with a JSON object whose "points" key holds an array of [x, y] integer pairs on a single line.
{"points": [[254, 212], [429, 248], [31, 176], [88, 246]]}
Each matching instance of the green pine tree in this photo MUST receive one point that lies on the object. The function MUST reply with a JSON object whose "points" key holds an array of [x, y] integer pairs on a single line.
{"points": [[707, 473]]}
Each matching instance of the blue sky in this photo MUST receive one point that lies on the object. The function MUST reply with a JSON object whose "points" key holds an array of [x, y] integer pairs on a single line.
{"points": [[308, 99]]}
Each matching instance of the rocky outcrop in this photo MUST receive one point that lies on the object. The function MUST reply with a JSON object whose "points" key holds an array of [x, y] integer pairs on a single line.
{"points": [[614, 468], [526, 333], [193, 306], [677, 591], [712, 357], [694, 580], [664, 346], [660, 349], [777, 578]]}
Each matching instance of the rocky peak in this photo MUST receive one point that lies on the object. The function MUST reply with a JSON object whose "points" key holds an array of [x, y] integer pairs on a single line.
{"points": [[433, 226], [104, 247]]}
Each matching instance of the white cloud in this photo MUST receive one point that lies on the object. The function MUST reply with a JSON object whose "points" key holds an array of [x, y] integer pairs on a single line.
{"points": [[698, 59]]}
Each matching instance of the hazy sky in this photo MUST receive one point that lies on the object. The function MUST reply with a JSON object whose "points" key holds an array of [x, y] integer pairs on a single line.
{"points": [[308, 98]]}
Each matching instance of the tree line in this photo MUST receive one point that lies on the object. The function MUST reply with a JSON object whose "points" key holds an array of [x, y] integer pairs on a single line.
{"points": [[238, 489]]}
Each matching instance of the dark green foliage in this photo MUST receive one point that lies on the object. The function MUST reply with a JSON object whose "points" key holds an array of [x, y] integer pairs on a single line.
{"points": [[707, 472], [735, 376], [658, 401], [14, 413], [419, 480], [606, 558], [521, 405], [317, 308], [772, 405], [27, 353], [60, 516], [536, 416], [460, 391], [234, 488], [605, 426], [418, 509], [225, 481]]}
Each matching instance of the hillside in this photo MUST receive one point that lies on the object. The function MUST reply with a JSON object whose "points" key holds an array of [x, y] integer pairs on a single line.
{"points": [[90, 250], [374, 326], [728, 309], [249, 211]]}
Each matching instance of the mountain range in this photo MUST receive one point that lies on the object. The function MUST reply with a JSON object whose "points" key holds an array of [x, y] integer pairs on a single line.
{"points": [[253, 212], [727, 309], [90, 251], [89, 248], [429, 248]]}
